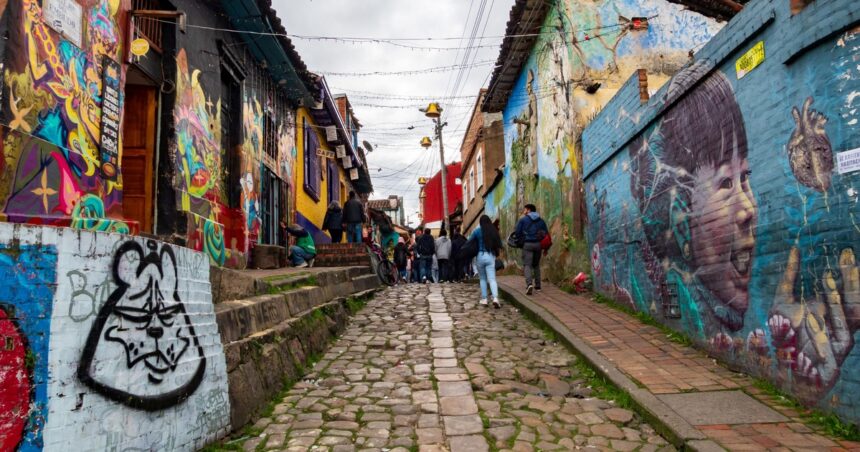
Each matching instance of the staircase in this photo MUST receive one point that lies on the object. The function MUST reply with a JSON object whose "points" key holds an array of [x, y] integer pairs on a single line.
{"points": [[272, 325], [342, 255]]}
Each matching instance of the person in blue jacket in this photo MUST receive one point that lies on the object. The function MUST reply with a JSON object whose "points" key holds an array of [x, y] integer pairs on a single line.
{"points": [[531, 229]]}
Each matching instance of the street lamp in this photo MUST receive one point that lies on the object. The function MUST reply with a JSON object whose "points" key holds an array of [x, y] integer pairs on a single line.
{"points": [[434, 112]]}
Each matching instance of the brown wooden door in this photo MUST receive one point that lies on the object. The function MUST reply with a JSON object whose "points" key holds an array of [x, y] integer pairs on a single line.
{"points": [[138, 155]]}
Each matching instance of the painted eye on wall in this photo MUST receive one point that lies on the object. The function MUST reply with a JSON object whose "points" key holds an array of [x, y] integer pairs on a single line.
{"points": [[726, 183]]}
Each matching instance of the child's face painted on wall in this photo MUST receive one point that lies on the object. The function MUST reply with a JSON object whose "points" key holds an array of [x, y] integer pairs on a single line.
{"points": [[722, 230]]}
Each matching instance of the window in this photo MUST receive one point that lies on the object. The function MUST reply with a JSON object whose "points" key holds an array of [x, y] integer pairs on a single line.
{"points": [[333, 182], [479, 162], [231, 135], [472, 183], [312, 162], [466, 191]]}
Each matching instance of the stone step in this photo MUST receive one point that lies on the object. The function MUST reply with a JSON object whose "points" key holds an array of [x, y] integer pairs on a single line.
{"points": [[239, 319], [258, 365]]}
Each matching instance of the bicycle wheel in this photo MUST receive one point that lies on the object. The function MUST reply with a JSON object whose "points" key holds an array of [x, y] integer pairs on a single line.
{"points": [[385, 272]]}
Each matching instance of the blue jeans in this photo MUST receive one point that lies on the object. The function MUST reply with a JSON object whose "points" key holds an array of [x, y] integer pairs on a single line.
{"points": [[298, 256], [425, 268], [353, 232], [487, 271], [404, 275]]}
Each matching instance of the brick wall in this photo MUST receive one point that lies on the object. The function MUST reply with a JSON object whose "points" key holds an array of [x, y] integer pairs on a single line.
{"points": [[718, 207], [79, 322], [553, 99]]}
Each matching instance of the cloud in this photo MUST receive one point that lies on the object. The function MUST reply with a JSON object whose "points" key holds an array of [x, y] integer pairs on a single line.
{"points": [[397, 153]]}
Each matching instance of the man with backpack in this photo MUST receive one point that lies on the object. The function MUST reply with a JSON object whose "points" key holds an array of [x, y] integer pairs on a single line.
{"points": [[531, 230]]}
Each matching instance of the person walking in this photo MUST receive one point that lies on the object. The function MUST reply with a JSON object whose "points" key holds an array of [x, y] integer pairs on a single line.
{"points": [[443, 256], [333, 222], [531, 229], [353, 218], [426, 248], [401, 259], [489, 246], [458, 269], [302, 254]]}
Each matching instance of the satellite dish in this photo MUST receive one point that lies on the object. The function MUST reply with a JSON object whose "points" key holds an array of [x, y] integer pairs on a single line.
{"points": [[367, 146]]}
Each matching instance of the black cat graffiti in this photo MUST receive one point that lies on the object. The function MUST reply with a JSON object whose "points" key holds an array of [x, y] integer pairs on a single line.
{"points": [[145, 322]]}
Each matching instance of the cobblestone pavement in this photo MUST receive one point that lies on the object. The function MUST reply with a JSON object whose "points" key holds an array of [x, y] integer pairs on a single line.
{"points": [[425, 368]]}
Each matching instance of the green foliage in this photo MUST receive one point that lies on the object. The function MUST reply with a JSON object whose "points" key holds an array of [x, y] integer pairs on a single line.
{"points": [[828, 423], [601, 387], [276, 289]]}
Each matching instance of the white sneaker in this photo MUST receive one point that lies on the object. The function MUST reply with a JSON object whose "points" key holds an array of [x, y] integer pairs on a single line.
{"points": [[311, 262], [302, 265], [483, 302], [496, 304]]}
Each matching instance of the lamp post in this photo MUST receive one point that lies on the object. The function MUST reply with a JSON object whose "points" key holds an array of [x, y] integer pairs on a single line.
{"points": [[434, 112]]}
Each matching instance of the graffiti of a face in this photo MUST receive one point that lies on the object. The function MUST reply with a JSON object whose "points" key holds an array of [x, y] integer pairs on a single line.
{"points": [[144, 322], [722, 231], [691, 179]]}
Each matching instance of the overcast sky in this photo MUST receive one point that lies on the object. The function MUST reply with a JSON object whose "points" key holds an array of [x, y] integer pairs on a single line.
{"points": [[397, 152]]}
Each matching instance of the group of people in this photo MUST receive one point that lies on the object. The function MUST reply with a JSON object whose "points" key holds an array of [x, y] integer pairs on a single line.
{"points": [[425, 259], [350, 219]]}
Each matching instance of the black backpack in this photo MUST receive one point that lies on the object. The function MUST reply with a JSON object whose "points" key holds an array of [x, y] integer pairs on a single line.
{"points": [[400, 255], [469, 250]]}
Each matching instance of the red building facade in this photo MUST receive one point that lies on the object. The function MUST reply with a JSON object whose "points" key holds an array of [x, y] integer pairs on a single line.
{"points": [[431, 194]]}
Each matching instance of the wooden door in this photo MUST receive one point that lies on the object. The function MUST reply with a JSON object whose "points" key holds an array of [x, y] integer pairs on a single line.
{"points": [[138, 155]]}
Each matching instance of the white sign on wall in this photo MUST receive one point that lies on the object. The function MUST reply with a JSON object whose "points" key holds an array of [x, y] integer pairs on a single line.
{"points": [[66, 17], [848, 161]]}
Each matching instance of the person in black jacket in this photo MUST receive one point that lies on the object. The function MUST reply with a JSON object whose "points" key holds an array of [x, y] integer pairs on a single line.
{"points": [[353, 218], [457, 242], [333, 222], [426, 248]]}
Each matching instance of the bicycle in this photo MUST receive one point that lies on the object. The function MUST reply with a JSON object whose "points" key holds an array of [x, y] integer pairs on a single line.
{"points": [[386, 271]]}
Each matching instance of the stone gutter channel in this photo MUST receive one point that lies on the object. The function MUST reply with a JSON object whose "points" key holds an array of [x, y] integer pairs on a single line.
{"points": [[463, 426]]}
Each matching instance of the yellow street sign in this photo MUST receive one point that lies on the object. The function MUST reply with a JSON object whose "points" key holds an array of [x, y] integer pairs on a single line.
{"points": [[750, 60]]}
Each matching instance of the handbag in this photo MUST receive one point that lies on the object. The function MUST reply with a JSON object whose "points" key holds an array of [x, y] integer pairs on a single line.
{"points": [[515, 241], [469, 250], [500, 264]]}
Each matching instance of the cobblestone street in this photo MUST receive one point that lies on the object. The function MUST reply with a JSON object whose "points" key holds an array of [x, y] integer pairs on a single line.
{"points": [[426, 368]]}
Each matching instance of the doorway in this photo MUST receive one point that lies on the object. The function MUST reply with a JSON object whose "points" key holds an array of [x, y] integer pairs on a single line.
{"points": [[138, 154]]}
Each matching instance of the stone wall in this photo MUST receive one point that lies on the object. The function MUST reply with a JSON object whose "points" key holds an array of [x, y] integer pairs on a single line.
{"points": [[719, 205], [109, 342]]}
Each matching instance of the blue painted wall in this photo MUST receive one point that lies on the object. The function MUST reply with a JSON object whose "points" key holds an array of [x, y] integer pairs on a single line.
{"points": [[582, 42], [724, 189]]}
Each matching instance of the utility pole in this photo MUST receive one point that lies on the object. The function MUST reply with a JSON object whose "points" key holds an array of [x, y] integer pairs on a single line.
{"points": [[445, 212], [434, 112]]}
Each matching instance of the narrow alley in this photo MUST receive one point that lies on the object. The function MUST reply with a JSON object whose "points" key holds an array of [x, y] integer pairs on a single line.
{"points": [[426, 368]]}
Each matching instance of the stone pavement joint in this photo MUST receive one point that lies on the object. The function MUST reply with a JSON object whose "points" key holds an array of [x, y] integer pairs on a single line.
{"points": [[693, 401]]}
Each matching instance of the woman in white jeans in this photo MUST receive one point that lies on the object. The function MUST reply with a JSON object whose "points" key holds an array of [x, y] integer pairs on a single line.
{"points": [[489, 245]]}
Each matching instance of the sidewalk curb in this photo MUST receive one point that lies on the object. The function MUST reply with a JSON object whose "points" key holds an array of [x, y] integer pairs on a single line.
{"points": [[666, 421]]}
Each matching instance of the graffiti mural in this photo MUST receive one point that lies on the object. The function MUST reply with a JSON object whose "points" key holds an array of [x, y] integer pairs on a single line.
{"points": [[550, 104], [55, 97], [252, 149], [105, 341], [729, 206], [146, 318], [28, 273]]}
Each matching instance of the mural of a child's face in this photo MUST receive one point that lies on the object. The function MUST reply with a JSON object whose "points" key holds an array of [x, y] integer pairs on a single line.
{"points": [[722, 231]]}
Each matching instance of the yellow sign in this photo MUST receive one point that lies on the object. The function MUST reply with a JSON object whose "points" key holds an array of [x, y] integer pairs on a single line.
{"points": [[139, 47], [750, 60]]}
